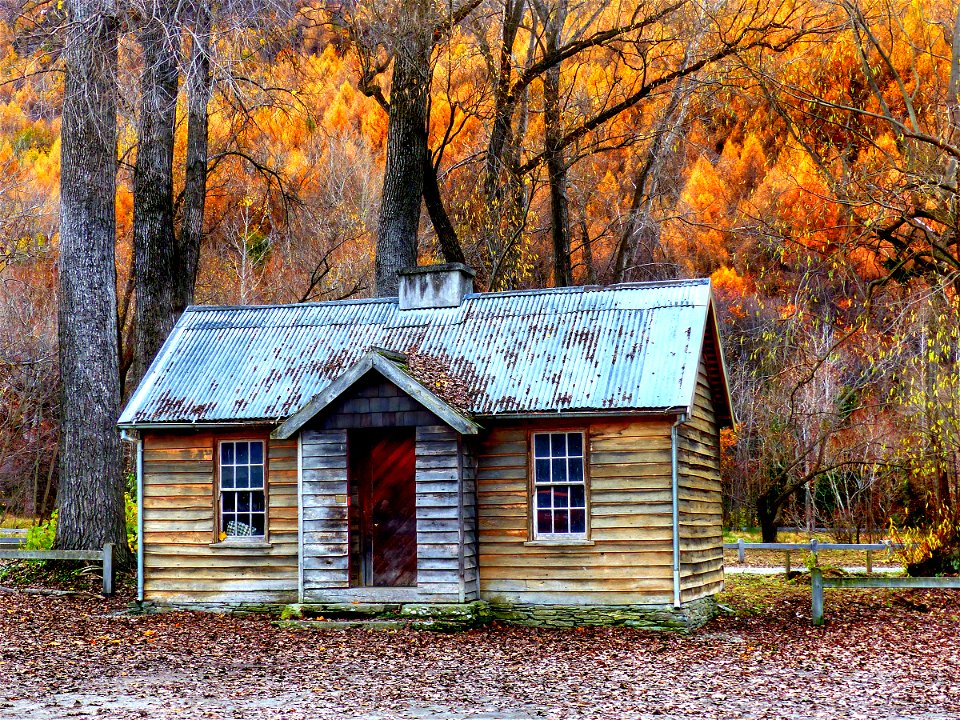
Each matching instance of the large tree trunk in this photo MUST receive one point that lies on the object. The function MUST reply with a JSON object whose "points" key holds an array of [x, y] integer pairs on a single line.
{"points": [[91, 482], [154, 243], [195, 179], [555, 160], [406, 148]]}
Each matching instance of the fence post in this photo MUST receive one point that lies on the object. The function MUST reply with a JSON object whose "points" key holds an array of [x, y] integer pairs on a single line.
{"points": [[869, 562], [813, 550], [741, 551], [816, 584], [108, 569], [787, 554]]}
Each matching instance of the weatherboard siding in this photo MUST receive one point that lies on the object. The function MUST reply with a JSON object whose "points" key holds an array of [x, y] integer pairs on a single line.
{"points": [[701, 533], [629, 487], [326, 560], [180, 566]]}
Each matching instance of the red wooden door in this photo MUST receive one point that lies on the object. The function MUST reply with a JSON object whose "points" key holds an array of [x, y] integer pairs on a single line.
{"points": [[383, 466]]}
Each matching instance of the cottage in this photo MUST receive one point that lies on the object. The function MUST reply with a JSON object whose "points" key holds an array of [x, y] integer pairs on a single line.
{"points": [[550, 450]]}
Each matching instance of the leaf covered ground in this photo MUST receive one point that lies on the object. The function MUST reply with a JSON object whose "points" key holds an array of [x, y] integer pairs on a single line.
{"points": [[884, 654]]}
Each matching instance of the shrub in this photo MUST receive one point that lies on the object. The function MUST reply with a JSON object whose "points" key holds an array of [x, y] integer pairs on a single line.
{"points": [[933, 549], [41, 536], [130, 512]]}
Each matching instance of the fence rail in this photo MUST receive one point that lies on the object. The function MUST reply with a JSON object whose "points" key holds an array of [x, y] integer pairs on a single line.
{"points": [[812, 547], [12, 536], [818, 582], [105, 556]]}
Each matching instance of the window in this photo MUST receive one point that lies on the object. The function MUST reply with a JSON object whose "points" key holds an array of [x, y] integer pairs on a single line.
{"points": [[559, 488], [242, 498]]}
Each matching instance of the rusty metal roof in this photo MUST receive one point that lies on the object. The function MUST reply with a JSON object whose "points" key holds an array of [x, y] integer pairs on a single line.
{"points": [[633, 347]]}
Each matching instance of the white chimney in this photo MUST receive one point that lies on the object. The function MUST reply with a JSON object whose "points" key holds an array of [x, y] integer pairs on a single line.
{"points": [[435, 286]]}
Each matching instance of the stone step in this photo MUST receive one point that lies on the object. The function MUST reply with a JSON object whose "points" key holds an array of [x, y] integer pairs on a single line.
{"points": [[439, 617], [342, 624], [340, 611]]}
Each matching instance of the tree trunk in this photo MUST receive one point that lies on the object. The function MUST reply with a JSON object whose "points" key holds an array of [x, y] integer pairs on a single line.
{"points": [[555, 160], [154, 243], [446, 234], [91, 482], [501, 132], [195, 177], [406, 148], [639, 255], [768, 513]]}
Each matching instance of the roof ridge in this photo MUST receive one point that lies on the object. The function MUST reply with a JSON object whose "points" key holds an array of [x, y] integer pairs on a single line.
{"points": [[568, 290]]}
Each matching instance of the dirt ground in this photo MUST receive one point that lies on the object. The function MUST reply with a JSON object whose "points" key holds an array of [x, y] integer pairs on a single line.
{"points": [[883, 654]]}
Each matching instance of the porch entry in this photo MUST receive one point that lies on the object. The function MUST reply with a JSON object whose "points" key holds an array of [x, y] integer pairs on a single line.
{"points": [[382, 507]]}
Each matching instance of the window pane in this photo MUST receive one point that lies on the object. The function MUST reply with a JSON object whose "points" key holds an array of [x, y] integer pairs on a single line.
{"points": [[577, 496], [257, 501], [560, 522], [559, 471], [543, 498], [575, 444], [576, 470], [560, 497], [256, 476], [226, 477], [558, 442], [578, 521], [242, 455], [541, 445], [229, 502], [242, 477], [256, 453], [259, 523], [543, 471], [226, 453], [243, 502], [544, 523]]}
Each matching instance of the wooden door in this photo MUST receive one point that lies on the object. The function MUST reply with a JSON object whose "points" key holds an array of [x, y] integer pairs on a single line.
{"points": [[382, 470]]}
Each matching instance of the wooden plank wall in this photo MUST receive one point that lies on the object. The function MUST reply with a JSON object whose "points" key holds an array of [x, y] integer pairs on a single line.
{"points": [[441, 555], [630, 560], [178, 523], [701, 514], [468, 504], [325, 521]]}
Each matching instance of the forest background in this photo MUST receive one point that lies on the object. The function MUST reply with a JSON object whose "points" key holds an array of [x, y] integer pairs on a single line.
{"points": [[803, 155]]}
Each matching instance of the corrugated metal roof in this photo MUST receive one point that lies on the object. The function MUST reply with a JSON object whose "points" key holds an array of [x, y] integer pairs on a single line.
{"points": [[625, 347]]}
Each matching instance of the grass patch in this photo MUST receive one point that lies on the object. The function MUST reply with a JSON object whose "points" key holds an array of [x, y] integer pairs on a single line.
{"points": [[17, 521], [750, 595]]}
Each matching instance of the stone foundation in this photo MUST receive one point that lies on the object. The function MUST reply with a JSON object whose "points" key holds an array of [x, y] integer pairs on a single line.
{"points": [[454, 617], [647, 617]]}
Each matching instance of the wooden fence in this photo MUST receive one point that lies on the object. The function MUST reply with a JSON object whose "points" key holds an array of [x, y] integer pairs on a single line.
{"points": [[812, 547], [105, 556], [12, 536], [818, 582]]}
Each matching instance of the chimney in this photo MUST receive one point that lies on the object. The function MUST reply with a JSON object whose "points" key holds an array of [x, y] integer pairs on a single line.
{"points": [[434, 286]]}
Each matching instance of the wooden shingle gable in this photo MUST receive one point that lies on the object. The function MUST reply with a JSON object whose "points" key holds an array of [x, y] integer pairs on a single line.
{"points": [[390, 366]]}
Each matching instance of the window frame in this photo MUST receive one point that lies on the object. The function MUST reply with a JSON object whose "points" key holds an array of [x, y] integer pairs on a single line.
{"points": [[218, 524], [534, 536]]}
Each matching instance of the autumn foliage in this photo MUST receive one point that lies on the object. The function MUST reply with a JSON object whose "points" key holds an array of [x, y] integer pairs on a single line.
{"points": [[806, 168]]}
